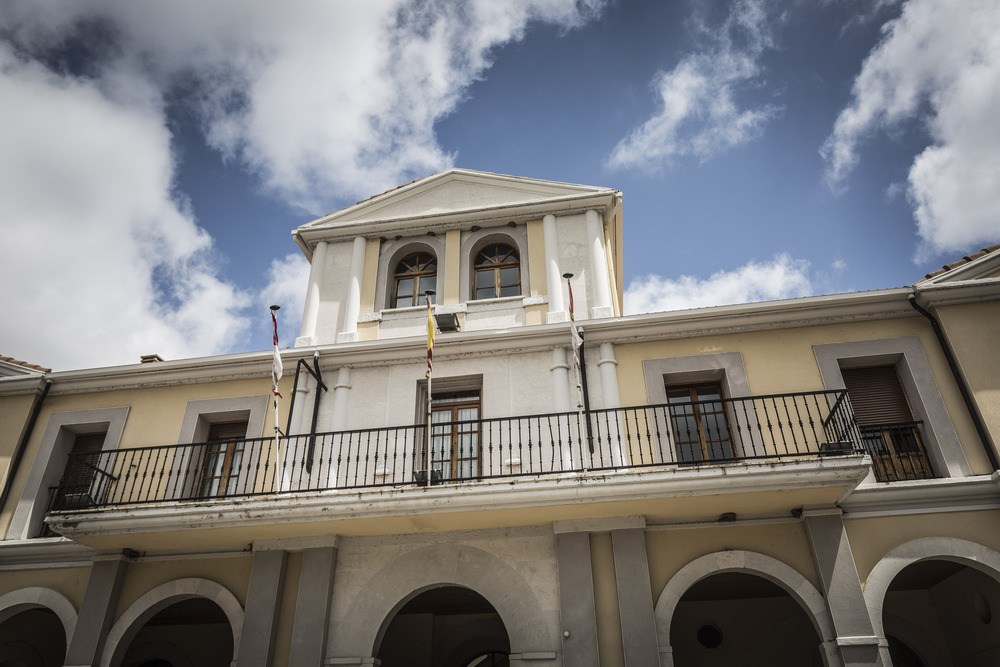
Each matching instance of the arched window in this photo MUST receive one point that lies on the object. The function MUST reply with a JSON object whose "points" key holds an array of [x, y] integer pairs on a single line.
{"points": [[415, 274], [498, 272]]}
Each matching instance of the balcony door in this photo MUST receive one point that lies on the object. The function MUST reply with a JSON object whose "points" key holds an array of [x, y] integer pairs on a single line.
{"points": [[220, 471], [888, 429], [455, 435], [699, 423]]}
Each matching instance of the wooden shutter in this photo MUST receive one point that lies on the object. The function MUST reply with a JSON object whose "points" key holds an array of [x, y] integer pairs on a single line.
{"points": [[88, 442], [877, 395], [227, 431]]}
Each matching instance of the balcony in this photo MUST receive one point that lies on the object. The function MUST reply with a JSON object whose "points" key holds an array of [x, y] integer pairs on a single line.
{"points": [[897, 451], [692, 435]]}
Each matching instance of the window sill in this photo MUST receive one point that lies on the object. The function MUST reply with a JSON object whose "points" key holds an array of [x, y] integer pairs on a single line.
{"points": [[412, 312]]}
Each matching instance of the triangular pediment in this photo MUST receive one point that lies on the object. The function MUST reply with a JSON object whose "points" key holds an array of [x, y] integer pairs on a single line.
{"points": [[980, 266], [453, 192]]}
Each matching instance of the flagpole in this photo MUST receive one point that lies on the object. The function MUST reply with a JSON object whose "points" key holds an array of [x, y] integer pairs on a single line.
{"points": [[430, 366], [276, 372]]}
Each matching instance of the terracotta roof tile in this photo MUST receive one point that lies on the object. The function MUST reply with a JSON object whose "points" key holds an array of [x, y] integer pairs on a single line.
{"points": [[964, 260], [25, 364]]}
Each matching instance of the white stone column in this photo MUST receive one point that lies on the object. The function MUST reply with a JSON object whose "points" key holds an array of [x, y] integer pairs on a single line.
{"points": [[608, 366], [599, 276], [560, 392], [553, 275], [295, 440], [307, 334], [341, 395], [560, 379], [349, 330], [341, 398]]}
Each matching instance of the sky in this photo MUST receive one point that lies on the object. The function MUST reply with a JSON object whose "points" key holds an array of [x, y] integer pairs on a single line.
{"points": [[155, 157]]}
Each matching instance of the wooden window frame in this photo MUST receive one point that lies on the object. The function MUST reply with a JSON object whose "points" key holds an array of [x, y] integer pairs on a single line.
{"points": [[707, 446], [457, 428], [417, 273], [229, 446], [485, 263]]}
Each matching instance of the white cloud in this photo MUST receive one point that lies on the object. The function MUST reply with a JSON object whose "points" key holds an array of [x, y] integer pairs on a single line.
{"points": [[940, 67], [699, 114], [780, 278], [287, 279], [322, 100], [101, 264]]}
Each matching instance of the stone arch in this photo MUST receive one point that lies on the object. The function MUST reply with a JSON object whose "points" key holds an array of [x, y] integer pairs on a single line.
{"points": [[405, 577], [394, 251], [952, 549], [746, 562], [28, 598], [148, 605], [515, 237]]}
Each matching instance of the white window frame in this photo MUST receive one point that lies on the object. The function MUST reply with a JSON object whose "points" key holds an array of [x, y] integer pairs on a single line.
{"points": [[907, 355], [726, 368], [51, 459]]}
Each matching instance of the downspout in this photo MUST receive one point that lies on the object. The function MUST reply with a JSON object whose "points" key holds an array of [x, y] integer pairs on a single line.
{"points": [[966, 396], [23, 442]]}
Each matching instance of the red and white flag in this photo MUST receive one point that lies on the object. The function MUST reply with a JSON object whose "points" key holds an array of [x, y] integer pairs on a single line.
{"points": [[276, 368]]}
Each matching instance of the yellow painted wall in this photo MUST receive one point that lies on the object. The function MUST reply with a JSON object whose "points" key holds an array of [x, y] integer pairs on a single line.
{"points": [[873, 538], [154, 418], [452, 269], [782, 360], [972, 331], [286, 617], [536, 259], [609, 629], [143, 576], [71, 582], [670, 550], [14, 414], [369, 278]]}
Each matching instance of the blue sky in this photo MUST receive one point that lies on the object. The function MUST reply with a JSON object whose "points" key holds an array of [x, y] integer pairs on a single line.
{"points": [[157, 156]]}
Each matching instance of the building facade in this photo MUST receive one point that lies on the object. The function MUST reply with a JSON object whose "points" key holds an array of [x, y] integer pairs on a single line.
{"points": [[802, 482]]}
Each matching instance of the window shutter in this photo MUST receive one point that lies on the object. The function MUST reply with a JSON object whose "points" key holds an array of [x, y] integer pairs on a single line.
{"points": [[88, 442], [877, 395], [227, 431]]}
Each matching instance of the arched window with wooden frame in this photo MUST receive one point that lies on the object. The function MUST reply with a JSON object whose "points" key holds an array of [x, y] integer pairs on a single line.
{"points": [[498, 272], [415, 274]]}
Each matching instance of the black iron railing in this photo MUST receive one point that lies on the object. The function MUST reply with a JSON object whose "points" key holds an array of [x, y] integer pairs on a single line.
{"points": [[897, 451], [689, 434]]}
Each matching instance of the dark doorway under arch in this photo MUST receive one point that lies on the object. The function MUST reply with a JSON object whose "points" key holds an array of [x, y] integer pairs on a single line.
{"points": [[193, 632], [736, 618], [32, 638], [939, 610], [447, 626]]}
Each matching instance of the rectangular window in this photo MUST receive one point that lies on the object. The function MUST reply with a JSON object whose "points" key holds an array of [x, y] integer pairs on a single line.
{"points": [[888, 430], [455, 435], [699, 423], [83, 482], [223, 458]]}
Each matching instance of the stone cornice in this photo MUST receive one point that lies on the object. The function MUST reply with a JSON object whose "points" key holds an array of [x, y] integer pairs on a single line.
{"points": [[806, 311], [509, 493], [949, 494]]}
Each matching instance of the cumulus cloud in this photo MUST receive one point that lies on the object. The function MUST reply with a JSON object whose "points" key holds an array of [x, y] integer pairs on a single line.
{"points": [[941, 68], [321, 100], [698, 113], [102, 265], [780, 278], [287, 279]]}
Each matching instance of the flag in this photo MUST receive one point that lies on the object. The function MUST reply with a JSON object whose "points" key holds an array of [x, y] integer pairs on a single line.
{"points": [[276, 369], [574, 334], [430, 339]]}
